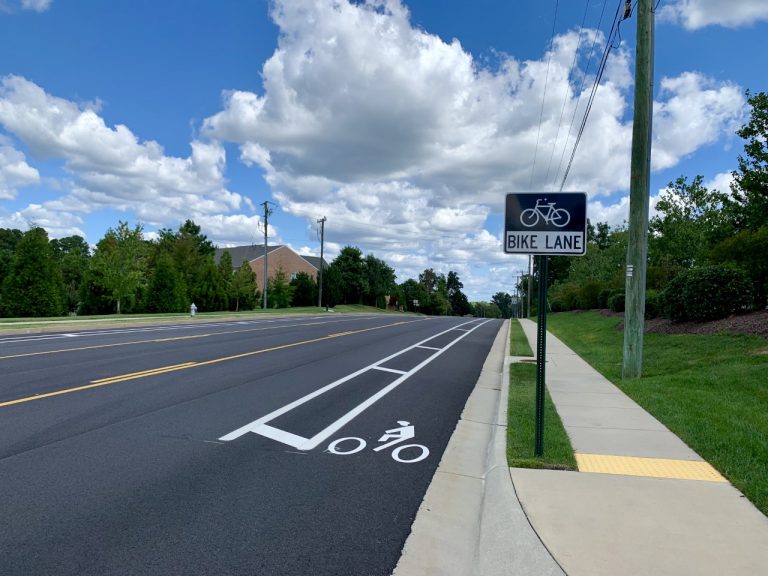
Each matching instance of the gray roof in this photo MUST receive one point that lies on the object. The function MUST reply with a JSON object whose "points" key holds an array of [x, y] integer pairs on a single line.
{"points": [[315, 262], [242, 254]]}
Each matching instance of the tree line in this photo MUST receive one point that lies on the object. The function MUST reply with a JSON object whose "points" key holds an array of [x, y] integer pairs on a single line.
{"points": [[126, 273], [706, 248]]}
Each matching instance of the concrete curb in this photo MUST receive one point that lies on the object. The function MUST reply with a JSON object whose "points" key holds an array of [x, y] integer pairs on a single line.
{"points": [[470, 521]]}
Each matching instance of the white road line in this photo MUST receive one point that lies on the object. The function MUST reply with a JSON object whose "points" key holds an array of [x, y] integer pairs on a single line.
{"points": [[130, 330], [389, 370], [259, 426], [428, 347]]}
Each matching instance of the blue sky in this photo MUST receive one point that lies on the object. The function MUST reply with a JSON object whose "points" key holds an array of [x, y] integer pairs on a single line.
{"points": [[404, 123]]}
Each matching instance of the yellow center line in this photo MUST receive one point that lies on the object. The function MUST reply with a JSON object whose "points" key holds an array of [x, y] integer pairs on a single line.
{"points": [[143, 373], [186, 365]]}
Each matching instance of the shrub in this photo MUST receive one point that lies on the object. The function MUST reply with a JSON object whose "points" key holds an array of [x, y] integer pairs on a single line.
{"points": [[672, 300], [602, 298], [616, 302], [557, 306], [588, 295], [707, 293], [565, 296], [714, 292], [652, 304]]}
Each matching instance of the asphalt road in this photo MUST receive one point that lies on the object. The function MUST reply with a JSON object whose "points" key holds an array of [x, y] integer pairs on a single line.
{"points": [[220, 448]]}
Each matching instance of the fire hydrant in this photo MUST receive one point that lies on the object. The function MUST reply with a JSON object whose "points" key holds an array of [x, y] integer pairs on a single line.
{"points": [[192, 309]]}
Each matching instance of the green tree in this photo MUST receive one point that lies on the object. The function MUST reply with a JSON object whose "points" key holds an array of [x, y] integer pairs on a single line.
{"points": [[119, 262], [209, 293], [436, 288], [486, 310], [243, 290], [749, 202], [351, 267], [459, 304], [748, 251], [415, 296], [333, 292], [304, 290], [73, 255], [504, 303], [441, 306], [32, 286], [380, 281], [279, 290], [190, 250], [9, 239], [227, 273], [166, 291], [690, 217], [202, 245]]}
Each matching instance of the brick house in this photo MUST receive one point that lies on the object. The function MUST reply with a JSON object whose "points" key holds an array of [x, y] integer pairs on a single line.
{"points": [[277, 257]]}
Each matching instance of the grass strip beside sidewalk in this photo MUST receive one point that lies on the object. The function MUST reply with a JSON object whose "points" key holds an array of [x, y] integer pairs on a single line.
{"points": [[518, 343], [710, 390], [558, 453]]}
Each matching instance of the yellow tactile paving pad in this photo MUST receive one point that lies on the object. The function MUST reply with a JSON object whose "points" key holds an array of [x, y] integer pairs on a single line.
{"points": [[649, 467]]}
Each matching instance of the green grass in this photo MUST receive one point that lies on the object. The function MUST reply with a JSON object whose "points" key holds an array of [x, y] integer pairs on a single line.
{"points": [[13, 323], [518, 343], [710, 390], [558, 453]]}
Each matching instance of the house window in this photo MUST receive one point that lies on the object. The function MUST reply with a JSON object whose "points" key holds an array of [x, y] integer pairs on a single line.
{"points": [[293, 276]]}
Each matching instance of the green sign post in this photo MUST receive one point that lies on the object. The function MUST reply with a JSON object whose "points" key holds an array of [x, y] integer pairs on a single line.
{"points": [[544, 224]]}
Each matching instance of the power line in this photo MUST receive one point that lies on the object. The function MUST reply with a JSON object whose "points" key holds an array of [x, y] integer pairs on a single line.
{"points": [[565, 99], [544, 95], [598, 77], [579, 92]]}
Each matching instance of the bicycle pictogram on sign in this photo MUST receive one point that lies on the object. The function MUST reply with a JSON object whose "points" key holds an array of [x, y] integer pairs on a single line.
{"points": [[546, 211]]}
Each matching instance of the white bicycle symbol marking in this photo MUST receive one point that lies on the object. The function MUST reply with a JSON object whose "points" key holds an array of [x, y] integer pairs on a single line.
{"points": [[556, 216], [397, 435]]}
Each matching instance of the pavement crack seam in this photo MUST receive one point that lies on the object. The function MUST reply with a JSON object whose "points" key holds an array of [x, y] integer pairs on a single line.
{"points": [[533, 528]]}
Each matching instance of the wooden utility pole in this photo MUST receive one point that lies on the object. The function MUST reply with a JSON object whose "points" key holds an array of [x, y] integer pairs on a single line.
{"points": [[267, 212], [320, 275], [637, 250]]}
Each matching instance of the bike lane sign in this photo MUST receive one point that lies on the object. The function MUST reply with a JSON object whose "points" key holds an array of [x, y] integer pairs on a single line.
{"points": [[546, 223]]}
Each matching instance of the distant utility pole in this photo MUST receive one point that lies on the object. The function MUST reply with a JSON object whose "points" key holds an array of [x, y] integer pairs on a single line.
{"points": [[320, 279], [530, 284], [267, 213], [639, 185]]}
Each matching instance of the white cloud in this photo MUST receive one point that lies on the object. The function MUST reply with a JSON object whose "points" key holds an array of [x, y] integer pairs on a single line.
{"points": [[111, 167], [721, 182], [355, 96], [58, 224], [615, 214], [236, 229], [14, 170], [695, 14], [407, 144], [36, 5], [696, 111]]}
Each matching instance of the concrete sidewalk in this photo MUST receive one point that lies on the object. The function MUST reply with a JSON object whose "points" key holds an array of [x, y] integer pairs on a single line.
{"points": [[643, 502]]}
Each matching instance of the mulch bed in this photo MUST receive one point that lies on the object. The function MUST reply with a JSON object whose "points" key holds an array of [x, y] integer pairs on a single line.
{"points": [[754, 323]]}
